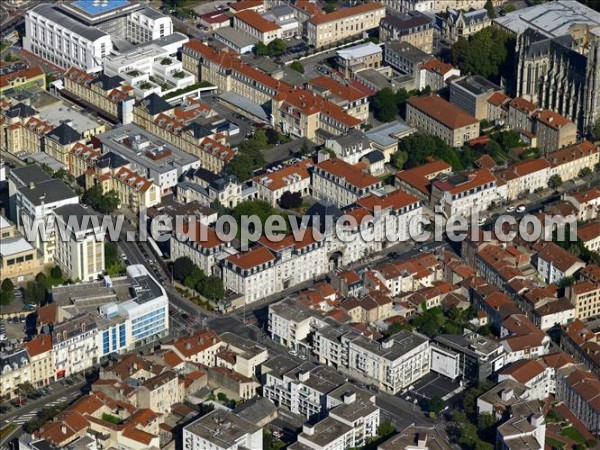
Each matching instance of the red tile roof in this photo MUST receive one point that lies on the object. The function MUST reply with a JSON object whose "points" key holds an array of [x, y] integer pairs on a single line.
{"points": [[245, 4], [442, 111], [589, 231], [256, 21], [498, 98], [437, 66], [552, 119], [252, 258], [572, 153], [41, 343], [394, 200], [26, 74], [337, 89], [277, 180], [310, 103], [475, 179], [523, 105], [351, 174], [419, 177]]}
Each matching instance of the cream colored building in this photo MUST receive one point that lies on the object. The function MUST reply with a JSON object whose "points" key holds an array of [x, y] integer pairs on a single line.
{"points": [[257, 26], [436, 116], [569, 161], [414, 27], [585, 296], [458, 24], [161, 392], [79, 242], [526, 177], [200, 347], [294, 178], [41, 358], [358, 57], [590, 236], [15, 369], [329, 29], [19, 260]]}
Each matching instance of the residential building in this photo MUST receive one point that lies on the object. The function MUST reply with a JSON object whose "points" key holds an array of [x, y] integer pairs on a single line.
{"points": [[465, 193], [213, 20], [206, 187], [350, 147], [200, 347], [26, 78], [569, 161], [36, 195], [343, 93], [405, 57], [341, 183], [579, 340], [302, 113], [41, 357], [434, 6], [526, 177], [151, 157], [21, 130], [531, 373], [587, 203], [555, 263], [471, 94], [580, 391], [236, 39], [413, 27], [436, 74], [79, 243], [60, 141], [392, 365], [81, 34], [436, 116], [471, 356], [353, 22], [75, 345], [585, 296], [14, 370], [417, 437], [417, 180], [357, 57], [456, 24], [525, 427], [19, 260], [290, 324], [589, 235], [261, 29], [159, 393], [554, 131], [222, 430], [522, 339], [294, 178], [284, 16], [247, 355]]}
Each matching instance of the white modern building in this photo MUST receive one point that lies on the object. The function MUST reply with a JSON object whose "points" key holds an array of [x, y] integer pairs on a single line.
{"points": [[79, 242], [222, 430], [83, 33]]}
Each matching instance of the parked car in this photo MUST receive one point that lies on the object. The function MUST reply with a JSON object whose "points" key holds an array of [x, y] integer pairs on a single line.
{"points": [[510, 208], [520, 208]]}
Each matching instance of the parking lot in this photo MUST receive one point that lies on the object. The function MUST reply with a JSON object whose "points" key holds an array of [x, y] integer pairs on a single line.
{"points": [[430, 386]]}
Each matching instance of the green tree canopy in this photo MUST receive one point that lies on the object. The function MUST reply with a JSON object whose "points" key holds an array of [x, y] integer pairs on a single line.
{"points": [[290, 200], [297, 66], [436, 405], [490, 9], [384, 105], [586, 171], [212, 288], [7, 285], [421, 147], [194, 278], [103, 203], [182, 267], [555, 181], [56, 272]]}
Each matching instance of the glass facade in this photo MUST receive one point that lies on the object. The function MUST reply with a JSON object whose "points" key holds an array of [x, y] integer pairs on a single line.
{"points": [[148, 324]]}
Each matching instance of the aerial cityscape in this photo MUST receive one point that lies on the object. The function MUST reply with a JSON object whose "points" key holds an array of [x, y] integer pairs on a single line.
{"points": [[300, 225]]}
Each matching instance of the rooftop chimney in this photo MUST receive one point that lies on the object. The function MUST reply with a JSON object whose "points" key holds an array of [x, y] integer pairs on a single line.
{"points": [[506, 394], [422, 440], [308, 429], [303, 376]]}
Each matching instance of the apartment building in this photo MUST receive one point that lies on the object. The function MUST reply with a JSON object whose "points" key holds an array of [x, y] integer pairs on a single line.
{"points": [[41, 357], [350, 147], [19, 260], [569, 161], [294, 178], [206, 187], [555, 263], [159, 393], [465, 193], [302, 114], [341, 183], [587, 203], [261, 29], [471, 94], [354, 101], [75, 345], [201, 347], [554, 131], [526, 177], [14, 369], [290, 324], [579, 390], [413, 27], [579, 340], [456, 24], [589, 235], [436, 74], [271, 267], [79, 242], [22, 79], [222, 430], [392, 364], [532, 374], [436, 116], [357, 57], [522, 339], [329, 29], [21, 129], [405, 57], [526, 426], [434, 5], [248, 355], [108, 96], [36, 195], [585, 296]]}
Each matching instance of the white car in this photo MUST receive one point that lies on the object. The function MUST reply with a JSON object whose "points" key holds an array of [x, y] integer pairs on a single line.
{"points": [[511, 208], [520, 208], [482, 221]]}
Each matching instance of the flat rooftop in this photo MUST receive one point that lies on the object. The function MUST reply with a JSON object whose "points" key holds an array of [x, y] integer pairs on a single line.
{"points": [[477, 85], [62, 112], [553, 19], [145, 149], [95, 7], [222, 428]]}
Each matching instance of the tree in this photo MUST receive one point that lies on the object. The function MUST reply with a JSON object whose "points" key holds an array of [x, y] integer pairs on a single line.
{"points": [[6, 297], [249, 156], [56, 273], [25, 388], [222, 397], [436, 405], [329, 8], [182, 268], [113, 263], [261, 49], [212, 288], [555, 181], [7, 285], [386, 429], [277, 46], [585, 172], [595, 131], [103, 203], [384, 105], [34, 293], [399, 158], [297, 66], [421, 147], [272, 136], [290, 200], [490, 9], [195, 277]]}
